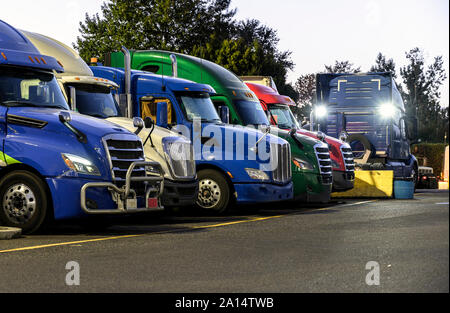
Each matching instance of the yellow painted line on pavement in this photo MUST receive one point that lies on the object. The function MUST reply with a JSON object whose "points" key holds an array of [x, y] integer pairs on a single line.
{"points": [[169, 231], [67, 243], [134, 236]]}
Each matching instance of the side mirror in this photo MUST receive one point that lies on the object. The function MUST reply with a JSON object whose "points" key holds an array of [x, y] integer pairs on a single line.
{"points": [[139, 124], [224, 112], [65, 117], [162, 115], [148, 122]]}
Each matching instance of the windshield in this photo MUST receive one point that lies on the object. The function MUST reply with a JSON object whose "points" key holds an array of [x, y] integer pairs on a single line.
{"points": [[25, 87], [283, 117], [251, 112], [96, 101], [198, 105]]}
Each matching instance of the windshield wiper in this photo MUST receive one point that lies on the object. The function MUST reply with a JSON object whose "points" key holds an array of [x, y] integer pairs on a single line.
{"points": [[19, 103]]}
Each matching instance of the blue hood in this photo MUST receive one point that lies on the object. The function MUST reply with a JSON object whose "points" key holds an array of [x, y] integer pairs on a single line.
{"points": [[41, 147]]}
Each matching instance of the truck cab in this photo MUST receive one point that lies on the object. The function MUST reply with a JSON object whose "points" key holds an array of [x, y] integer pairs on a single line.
{"points": [[57, 164], [234, 164], [94, 96], [312, 173], [368, 111], [277, 108]]}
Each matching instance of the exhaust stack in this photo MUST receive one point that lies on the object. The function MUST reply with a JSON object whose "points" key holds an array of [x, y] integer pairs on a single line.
{"points": [[127, 69], [173, 58]]}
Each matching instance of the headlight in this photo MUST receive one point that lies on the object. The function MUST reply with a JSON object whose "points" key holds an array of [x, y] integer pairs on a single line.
{"points": [[179, 156], [80, 165], [320, 111], [387, 110], [302, 164], [256, 174]]}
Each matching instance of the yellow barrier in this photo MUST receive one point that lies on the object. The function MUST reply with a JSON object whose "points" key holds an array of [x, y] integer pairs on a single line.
{"points": [[443, 185], [370, 184]]}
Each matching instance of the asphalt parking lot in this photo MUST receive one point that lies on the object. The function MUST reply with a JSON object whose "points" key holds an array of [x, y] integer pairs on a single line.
{"points": [[277, 248]]}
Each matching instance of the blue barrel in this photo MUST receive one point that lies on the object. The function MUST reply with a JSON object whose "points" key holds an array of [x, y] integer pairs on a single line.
{"points": [[404, 188]]}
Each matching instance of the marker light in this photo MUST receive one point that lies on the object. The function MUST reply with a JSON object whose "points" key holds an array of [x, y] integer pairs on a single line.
{"points": [[320, 111], [387, 110]]}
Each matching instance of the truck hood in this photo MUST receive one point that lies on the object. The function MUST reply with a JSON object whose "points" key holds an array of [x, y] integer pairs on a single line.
{"points": [[330, 140], [92, 127]]}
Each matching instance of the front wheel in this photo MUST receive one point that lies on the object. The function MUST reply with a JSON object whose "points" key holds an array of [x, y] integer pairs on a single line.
{"points": [[23, 201], [213, 191]]}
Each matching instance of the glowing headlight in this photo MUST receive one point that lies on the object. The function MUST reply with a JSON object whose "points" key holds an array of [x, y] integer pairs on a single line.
{"points": [[302, 164], [256, 174], [80, 165], [320, 111], [387, 110]]}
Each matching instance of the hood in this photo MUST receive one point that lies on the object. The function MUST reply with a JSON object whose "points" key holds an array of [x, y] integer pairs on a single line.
{"points": [[330, 140], [91, 126]]}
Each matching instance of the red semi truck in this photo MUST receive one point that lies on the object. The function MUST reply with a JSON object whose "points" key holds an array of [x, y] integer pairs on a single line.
{"points": [[277, 107]]}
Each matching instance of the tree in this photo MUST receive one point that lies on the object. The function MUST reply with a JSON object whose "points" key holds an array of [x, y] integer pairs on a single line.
{"points": [[203, 28], [305, 86], [342, 67], [383, 65], [422, 95], [176, 25]]}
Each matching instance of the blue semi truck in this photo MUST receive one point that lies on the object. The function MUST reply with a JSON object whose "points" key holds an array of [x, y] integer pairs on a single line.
{"points": [[55, 163], [234, 164], [368, 112]]}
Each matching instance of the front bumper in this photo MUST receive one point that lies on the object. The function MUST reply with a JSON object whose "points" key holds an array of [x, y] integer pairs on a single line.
{"points": [[126, 199], [343, 181], [312, 187], [323, 196], [178, 193], [260, 192]]}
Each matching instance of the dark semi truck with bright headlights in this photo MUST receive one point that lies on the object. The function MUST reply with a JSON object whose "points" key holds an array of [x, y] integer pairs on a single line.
{"points": [[368, 112]]}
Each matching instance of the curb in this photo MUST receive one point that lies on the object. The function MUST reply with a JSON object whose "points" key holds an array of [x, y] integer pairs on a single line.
{"points": [[9, 233]]}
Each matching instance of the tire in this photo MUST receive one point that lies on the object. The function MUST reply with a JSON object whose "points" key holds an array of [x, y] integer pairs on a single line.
{"points": [[23, 201], [213, 192]]}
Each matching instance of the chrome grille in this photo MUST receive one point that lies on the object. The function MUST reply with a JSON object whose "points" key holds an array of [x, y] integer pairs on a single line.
{"points": [[323, 158], [283, 170], [122, 151], [347, 154]]}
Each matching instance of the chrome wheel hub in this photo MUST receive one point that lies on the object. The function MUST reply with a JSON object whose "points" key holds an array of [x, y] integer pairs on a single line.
{"points": [[208, 193], [19, 203]]}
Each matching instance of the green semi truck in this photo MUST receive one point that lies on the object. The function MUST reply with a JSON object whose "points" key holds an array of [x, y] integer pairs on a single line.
{"points": [[311, 164]]}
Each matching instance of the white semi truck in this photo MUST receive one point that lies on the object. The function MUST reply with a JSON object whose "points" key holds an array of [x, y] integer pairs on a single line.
{"points": [[92, 96]]}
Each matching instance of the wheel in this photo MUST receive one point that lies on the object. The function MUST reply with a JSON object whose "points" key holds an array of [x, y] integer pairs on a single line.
{"points": [[213, 191], [24, 201]]}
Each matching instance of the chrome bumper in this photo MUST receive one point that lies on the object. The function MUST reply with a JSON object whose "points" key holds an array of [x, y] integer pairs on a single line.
{"points": [[125, 197]]}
